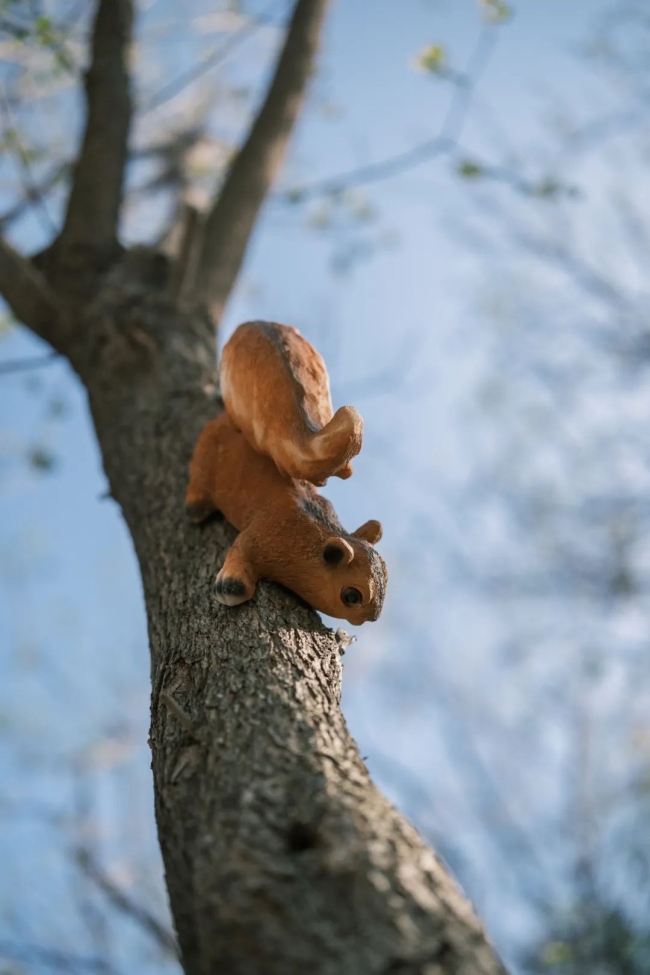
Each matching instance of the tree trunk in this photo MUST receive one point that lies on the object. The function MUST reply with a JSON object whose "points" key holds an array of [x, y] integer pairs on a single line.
{"points": [[281, 856]]}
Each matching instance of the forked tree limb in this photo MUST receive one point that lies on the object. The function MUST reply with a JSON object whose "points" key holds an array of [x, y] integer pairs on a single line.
{"points": [[29, 296], [233, 216], [93, 207]]}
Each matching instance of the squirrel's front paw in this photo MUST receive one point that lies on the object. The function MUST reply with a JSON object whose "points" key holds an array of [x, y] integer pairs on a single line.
{"points": [[231, 591]]}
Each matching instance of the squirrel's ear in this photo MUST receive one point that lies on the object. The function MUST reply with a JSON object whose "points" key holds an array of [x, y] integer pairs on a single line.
{"points": [[370, 532], [336, 551]]}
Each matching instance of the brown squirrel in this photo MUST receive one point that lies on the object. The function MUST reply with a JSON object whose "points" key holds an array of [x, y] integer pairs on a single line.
{"points": [[288, 531], [276, 390]]}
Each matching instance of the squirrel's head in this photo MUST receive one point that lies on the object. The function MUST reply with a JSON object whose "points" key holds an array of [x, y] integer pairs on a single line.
{"points": [[349, 580]]}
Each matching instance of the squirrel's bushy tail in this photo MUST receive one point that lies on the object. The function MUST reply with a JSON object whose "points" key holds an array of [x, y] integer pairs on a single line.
{"points": [[327, 452]]}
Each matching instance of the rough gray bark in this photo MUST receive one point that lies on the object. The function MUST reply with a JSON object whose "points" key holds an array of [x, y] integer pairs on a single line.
{"points": [[281, 857]]}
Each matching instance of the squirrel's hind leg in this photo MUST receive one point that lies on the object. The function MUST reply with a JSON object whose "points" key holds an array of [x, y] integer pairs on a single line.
{"points": [[237, 578], [199, 504]]}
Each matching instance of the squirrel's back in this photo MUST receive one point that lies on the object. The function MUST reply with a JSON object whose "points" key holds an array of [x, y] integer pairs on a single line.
{"points": [[276, 390]]}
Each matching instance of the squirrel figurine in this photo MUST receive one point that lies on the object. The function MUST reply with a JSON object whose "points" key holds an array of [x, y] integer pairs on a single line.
{"points": [[276, 392]]}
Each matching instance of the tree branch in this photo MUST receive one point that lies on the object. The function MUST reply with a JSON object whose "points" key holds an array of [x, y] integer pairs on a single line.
{"points": [[231, 221], [171, 88], [28, 363], [444, 142], [161, 935], [94, 204], [28, 294], [37, 193], [30, 187], [189, 243], [33, 954]]}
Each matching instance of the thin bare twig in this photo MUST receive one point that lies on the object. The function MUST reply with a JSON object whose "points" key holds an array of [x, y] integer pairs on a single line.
{"points": [[89, 911], [587, 277], [233, 216], [66, 961], [28, 363], [40, 191], [163, 937], [189, 244], [96, 194], [30, 186], [171, 88], [441, 144]]}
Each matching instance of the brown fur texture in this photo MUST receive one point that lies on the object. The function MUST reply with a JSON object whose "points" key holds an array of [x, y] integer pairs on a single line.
{"points": [[276, 391], [288, 531]]}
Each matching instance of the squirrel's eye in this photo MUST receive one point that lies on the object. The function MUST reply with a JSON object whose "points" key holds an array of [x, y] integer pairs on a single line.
{"points": [[351, 596]]}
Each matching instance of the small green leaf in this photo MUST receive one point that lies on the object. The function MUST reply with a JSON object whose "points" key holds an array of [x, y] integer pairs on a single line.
{"points": [[546, 187], [44, 31], [556, 953], [63, 62], [7, 322], [496, 11], [41, 459], [364, 211], [8, 139], [320, 217], [358, 206], [469, 169], [331, 110], [432, 59]]}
